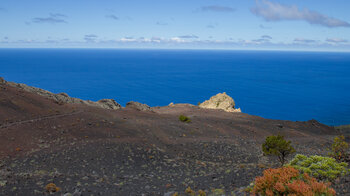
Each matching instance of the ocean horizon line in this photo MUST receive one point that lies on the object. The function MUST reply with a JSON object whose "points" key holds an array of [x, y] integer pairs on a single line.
{"points": [[177, 49]]}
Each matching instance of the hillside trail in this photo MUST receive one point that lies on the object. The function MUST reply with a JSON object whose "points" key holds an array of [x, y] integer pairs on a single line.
{"points": [[39, 119]]}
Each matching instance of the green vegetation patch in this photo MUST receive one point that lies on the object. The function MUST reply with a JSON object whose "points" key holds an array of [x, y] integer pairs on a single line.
{"points": [[185, 119], [339, 148], [322, 168], [276, 145], [341, 127]]}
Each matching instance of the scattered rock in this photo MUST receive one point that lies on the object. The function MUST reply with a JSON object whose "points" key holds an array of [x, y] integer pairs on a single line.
{"points": [[220, 101]]}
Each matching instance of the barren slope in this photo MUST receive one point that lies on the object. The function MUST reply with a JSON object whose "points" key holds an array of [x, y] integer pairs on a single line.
{"points": [[89, 150]]}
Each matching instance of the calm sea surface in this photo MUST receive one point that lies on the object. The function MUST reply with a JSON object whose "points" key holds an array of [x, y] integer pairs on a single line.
{"points": [[294, 86]]}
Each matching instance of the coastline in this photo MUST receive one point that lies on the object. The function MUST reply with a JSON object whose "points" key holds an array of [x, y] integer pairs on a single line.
{"points": [[138, 150], [63, 98]]}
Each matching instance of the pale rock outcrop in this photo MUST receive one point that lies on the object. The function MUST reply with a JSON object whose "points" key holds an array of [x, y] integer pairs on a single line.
{"points": [[109, 104], [220, 101], [62, 98], [138, 106]]}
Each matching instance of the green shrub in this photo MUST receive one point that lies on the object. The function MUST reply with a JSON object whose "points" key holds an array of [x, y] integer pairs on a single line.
{"points": [[276, 145], [339, 148], [183, 118], [322, 168]]}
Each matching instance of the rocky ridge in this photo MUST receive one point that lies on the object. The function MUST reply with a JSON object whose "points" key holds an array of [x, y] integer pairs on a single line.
{"points": [[220, 101], [63, 98]]}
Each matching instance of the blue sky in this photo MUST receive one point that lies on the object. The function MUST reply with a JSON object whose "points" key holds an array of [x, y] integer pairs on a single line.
{"points": [[203, 24]]}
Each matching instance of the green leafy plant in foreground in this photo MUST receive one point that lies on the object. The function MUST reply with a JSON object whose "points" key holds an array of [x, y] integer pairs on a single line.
{"points": [[339, 148], [183, 118], [322, 168], [276, 145]]}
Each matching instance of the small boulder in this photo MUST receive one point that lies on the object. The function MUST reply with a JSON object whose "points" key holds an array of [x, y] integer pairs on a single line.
{"points": [[138, 106], [61, 98], [109, 104], [220, 101]]}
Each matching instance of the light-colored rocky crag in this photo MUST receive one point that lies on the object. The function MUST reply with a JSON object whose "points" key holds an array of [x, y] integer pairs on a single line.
{"points": [[62, 98], [2, 81], [138, 106], [220, 101], [108, 104]]}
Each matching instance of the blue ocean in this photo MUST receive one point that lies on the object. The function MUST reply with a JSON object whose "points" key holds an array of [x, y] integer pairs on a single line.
{"points": [[295, 86]]}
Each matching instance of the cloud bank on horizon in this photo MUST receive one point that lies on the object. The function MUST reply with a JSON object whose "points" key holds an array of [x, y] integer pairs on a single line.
{"points": [[259, 24]]}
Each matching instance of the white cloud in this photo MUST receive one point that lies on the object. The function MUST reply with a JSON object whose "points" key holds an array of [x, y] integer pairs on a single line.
{"points": [[266, 37], [177, 40], [90, 38], [128, 39], [112, 16], [53, 18], [160, 23], [336, 40], [217, 8], [304, 41], [272, 11], [188, 36]]}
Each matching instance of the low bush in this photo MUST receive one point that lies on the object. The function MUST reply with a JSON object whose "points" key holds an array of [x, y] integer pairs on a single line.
{"points": [[201, 193], [288, 181], [183, 118], [190, 191], [322, 168], [339, 148], [218, 192], [51, 188]]}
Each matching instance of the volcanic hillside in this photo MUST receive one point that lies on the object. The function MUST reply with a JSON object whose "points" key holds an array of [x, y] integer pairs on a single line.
{"points": [[136, 150]]}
